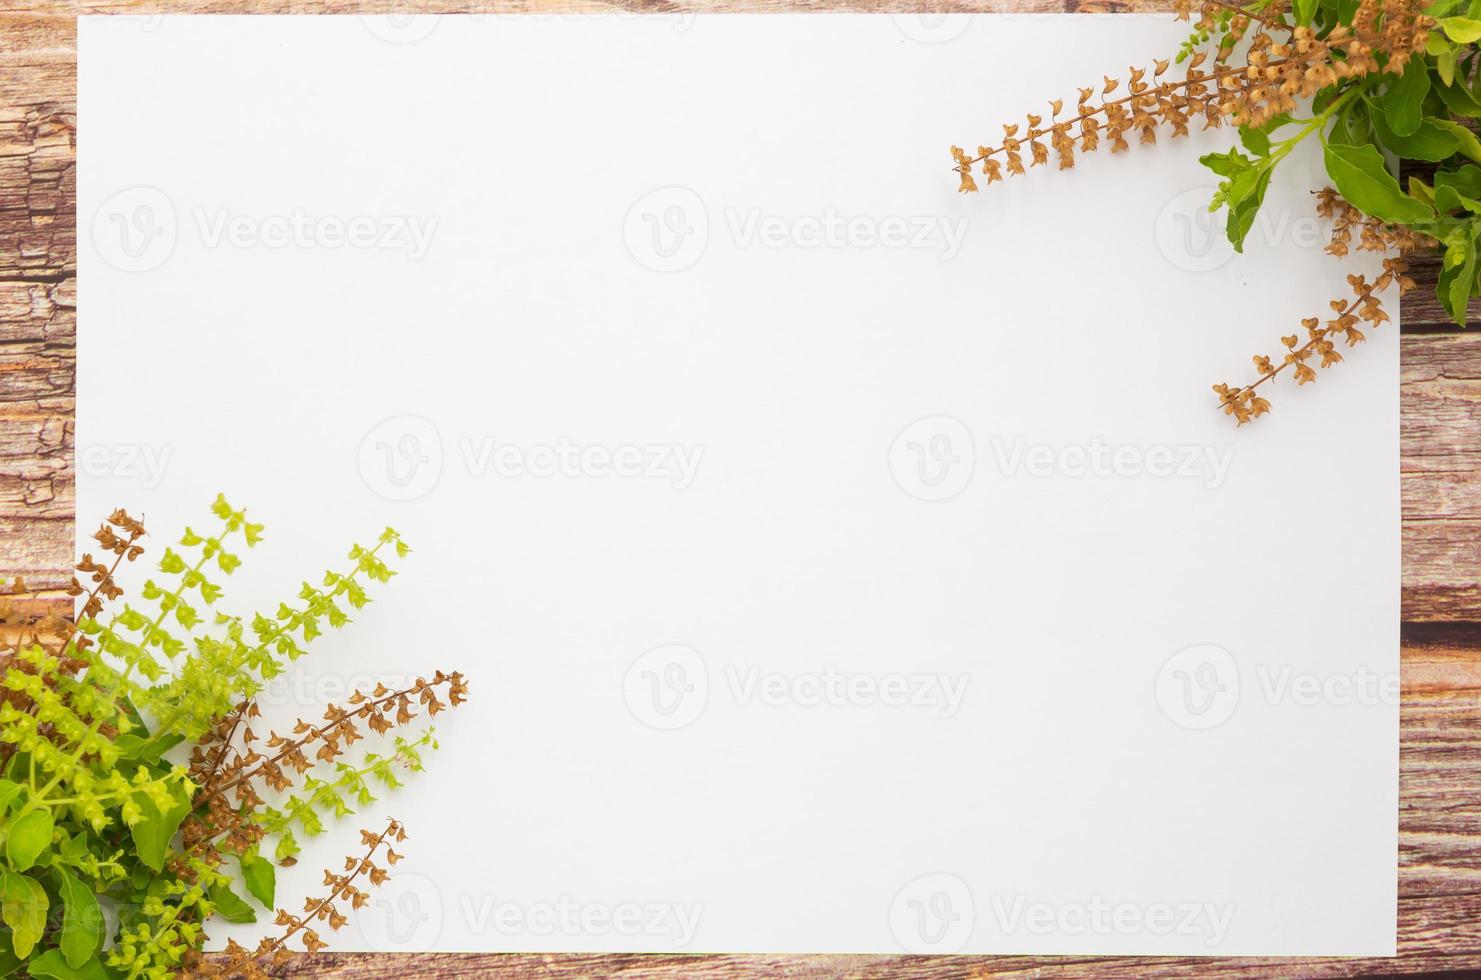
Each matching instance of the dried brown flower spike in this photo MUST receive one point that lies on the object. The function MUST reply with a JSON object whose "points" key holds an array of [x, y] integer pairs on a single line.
{"points": [[1242, 403], [270, 953]]}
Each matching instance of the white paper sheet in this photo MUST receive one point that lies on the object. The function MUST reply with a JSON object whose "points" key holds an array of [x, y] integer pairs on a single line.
{"points": [[840, 563]]}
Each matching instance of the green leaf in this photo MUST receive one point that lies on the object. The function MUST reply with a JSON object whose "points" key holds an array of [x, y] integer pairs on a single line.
{"points": [[1445, 66], [52, 965], [1362, 178], [82, 919], [1353, 127], [154, 831], [27, 838], [1464, 138], [1421, 191], [1466, 178], [287, 846], [261, 878], [9, 792], [1431, 142], [1304, 10], [9, 962], [1457, 276], [1403, 103], [1226, 164], [230, 906], [1448, 199], [23, 905], [1255, 141], [1461, 30], [143, 749], [1242, 213], [19, 765], [1459, 100]]}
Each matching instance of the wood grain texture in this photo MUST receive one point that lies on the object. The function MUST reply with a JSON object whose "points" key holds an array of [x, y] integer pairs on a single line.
{"points": [[1440, 754]]}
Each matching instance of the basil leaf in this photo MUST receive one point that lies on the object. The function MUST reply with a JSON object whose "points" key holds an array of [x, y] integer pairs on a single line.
{"points": [[1459, 101], [1226, 164], [23, 905], [1353, 127], [230, 906], [27, 838], [1403, 104], [52, 965], [82, 919], [1448, 199], [1445, 66], [154, 831], [1431, 142], [261, 878], [1255, 141], [9, 962], [1461, 30], [1242, 212], [1457, 278], [1362, 178], [1466, 140], [9, 792], [1466, 180]]}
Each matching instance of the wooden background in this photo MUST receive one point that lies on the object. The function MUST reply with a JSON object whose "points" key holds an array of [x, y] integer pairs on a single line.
{"points": [[1439, 850]]}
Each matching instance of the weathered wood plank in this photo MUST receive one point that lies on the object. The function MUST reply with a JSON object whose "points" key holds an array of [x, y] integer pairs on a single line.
{"points": [[631, 967], [1440, 469]]}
